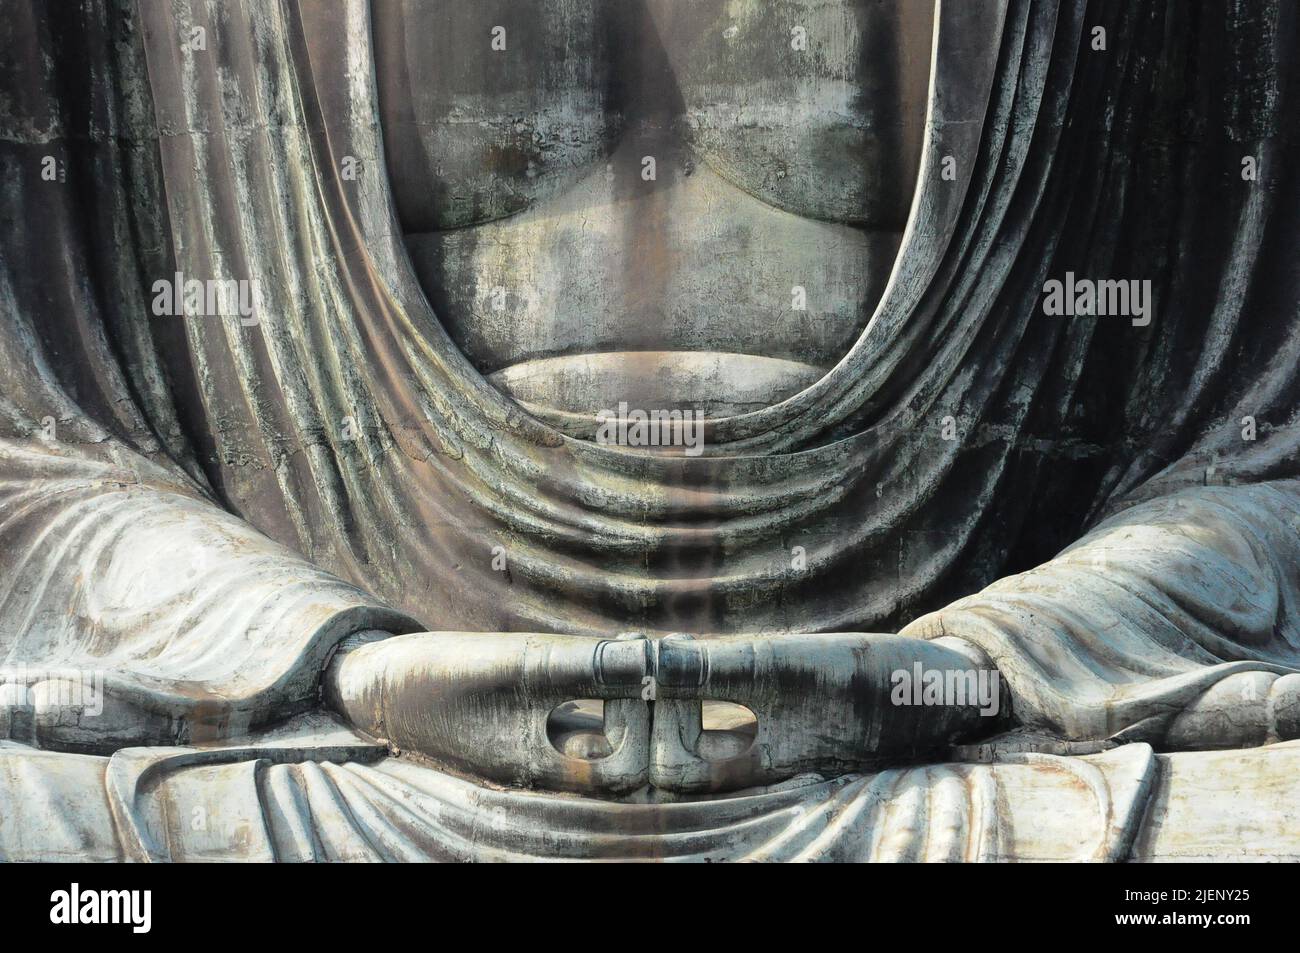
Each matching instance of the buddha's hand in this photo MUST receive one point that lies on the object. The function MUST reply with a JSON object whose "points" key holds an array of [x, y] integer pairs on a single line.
{"points": [[480, 703], [824, 704], [507, 706]]}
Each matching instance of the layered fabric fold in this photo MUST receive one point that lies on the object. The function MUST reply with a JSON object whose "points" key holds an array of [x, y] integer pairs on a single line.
{"points": [[1149, 614], [161, 616], [136, 608], [318, 797]]}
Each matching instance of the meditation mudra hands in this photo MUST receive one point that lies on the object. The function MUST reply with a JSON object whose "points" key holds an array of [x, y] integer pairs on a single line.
{"points": [[500, 706]]}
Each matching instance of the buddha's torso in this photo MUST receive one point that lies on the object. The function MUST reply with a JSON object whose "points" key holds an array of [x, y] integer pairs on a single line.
{"points": [[739, 268]]}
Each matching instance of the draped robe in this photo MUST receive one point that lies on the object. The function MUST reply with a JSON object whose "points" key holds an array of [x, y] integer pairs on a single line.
{"points": [[201, 508]]}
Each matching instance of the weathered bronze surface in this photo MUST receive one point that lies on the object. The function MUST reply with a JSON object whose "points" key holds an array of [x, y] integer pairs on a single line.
{"points": [[558, 418]]}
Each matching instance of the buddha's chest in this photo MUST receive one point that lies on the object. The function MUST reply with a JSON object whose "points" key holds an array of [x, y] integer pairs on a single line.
{"points": [[492, 105]]}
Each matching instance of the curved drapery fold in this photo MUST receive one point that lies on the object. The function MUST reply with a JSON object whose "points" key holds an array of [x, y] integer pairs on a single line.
{"points": [[330, 802]]}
